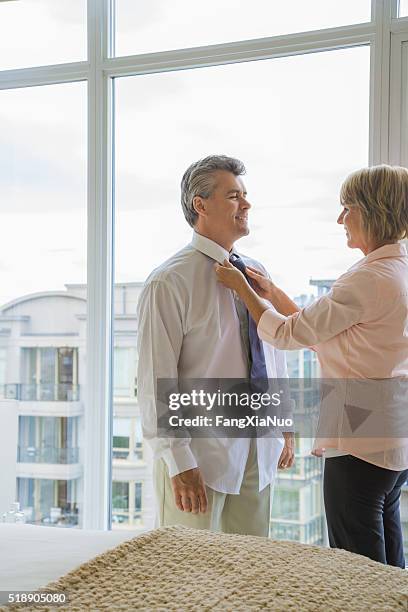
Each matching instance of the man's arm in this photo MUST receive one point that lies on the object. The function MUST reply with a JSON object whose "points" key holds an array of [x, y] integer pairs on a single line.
{"points": [[160, 337]]}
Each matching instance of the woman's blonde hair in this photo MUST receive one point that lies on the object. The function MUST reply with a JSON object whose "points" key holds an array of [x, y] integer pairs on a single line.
{"points": [[381, 194]]}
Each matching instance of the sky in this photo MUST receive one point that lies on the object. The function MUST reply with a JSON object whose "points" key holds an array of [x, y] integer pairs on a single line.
{"points": [[299, 124]]}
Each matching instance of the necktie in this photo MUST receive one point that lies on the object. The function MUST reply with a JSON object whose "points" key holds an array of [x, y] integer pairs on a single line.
{"points": [[257, 355]]}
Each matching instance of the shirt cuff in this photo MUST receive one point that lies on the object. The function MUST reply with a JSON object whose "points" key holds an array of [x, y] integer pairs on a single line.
{"points": [[268, 324], [179, 459]]}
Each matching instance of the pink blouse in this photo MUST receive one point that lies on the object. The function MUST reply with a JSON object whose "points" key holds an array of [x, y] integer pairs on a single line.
{"points": [[360, 331]]}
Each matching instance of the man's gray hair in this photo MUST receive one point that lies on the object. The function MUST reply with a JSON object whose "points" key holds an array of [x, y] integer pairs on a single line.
{"points": [[199, 180]]}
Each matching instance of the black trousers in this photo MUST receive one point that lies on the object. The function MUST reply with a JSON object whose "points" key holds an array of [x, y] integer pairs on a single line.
{"points": [[362, 503]]}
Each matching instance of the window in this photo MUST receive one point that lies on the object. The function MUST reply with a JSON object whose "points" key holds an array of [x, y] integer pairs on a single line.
{"points": [[48, 501], [403, 8], [42, 318], [127, 439], [159, 25], [303, 122], [138, 499], [124, 376], [52, 440], [286, 504], [50, 374], [126, 503], [192, 122], [120, 496], [53, 32], [263, 98]]}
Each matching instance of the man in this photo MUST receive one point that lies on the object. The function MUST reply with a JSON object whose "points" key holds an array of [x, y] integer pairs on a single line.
{"points": [[190, 327]]}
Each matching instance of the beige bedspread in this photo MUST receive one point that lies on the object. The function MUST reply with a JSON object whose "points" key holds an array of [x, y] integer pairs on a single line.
{"points": [[176, 568]]}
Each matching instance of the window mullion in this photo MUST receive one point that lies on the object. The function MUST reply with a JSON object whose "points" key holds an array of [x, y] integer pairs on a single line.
{"points": [[382, 13], [98, 402]]}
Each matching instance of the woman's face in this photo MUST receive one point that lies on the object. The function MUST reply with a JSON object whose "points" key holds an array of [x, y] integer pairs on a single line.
{"points": [[350, 217]]}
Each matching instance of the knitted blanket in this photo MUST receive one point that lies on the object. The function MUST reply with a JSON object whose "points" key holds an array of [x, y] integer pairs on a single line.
{"points": [[176, 568]]}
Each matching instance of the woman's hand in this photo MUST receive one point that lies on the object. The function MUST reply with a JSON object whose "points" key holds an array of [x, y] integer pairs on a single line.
{"points": [[267, 290], [287, 458], [261, 283], [230, 276]]}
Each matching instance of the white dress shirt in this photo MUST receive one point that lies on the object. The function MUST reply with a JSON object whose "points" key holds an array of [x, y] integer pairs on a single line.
{"points": [[189, 328]]}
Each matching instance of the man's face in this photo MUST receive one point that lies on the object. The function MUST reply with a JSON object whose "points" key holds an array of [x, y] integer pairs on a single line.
{"points": [[226, 210]]}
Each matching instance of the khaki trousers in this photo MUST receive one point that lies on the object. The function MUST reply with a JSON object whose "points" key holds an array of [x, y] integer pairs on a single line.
{"points": [[246, 513]]}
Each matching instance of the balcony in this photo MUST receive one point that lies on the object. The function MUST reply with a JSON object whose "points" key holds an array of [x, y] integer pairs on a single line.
{"points": [[126, 454], [309, 532], [43, 392], [64, 516], [48, 454]]}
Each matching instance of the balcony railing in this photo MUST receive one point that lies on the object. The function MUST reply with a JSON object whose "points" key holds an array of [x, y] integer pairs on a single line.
{"points": [[43, 392], [128, 455], [64, 516], [48, 454], [122, 515]]}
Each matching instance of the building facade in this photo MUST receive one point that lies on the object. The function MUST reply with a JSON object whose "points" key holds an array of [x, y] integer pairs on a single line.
{"points": [[43, 396]]}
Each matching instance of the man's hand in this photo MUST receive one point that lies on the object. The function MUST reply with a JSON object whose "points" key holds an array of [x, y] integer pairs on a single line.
{"points": [[189, 491], [287, 458], [230, 276]]}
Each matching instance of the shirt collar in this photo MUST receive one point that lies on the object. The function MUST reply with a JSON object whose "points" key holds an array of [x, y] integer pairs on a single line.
{"points": [[388, 250], [209, 247]]}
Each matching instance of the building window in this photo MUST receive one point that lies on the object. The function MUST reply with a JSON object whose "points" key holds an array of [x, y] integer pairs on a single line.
{"points": [[127, 439], [50, 374], [124, 377], [286, 504], [51, 440], [138, 499], [126, 503], [48, 501], [120, 497]]}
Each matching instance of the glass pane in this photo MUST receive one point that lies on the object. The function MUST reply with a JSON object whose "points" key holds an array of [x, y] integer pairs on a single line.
{"points": [[159, 25], [121, 438], [53, 32], [299, 132], [120, 496], [403, 8], [43, 301], [138, 498], [124, 371]]}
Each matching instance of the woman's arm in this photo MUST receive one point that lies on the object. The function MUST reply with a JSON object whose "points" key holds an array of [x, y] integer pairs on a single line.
{"points": [[232, 278], [331, 314], [268, 290]]}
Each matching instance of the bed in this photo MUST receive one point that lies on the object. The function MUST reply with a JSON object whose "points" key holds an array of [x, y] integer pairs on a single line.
{"points": [[176, 568], [32, 556]]}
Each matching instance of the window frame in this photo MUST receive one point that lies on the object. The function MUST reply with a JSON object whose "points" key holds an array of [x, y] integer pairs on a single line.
{"points": [[386, 35]]}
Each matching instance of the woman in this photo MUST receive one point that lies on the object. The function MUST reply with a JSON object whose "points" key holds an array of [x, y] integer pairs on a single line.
{"points": [[360, 332]]}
